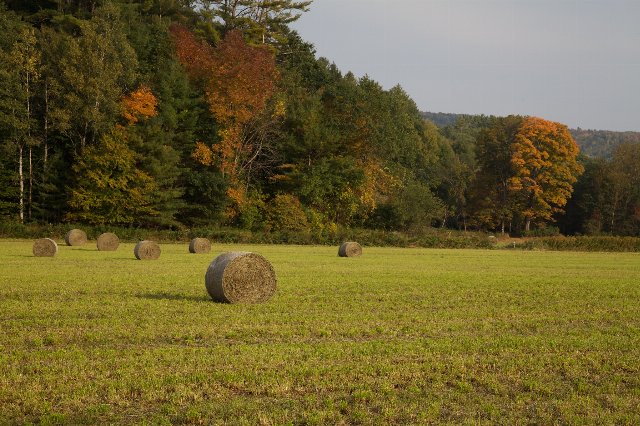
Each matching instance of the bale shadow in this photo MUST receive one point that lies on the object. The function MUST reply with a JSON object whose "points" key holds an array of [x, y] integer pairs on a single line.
{"points": [[173, 296]]}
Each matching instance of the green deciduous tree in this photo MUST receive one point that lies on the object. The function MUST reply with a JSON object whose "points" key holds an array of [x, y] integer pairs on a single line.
{"points": [[109, 187], [493, 200], [285, 213], [54, 120], [584, 210], [606, 198], [19, 72], [621, 209], [97, 69]]}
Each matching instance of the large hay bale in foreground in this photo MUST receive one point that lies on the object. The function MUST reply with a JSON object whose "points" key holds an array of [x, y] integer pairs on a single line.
{"points": [[240, 277], [108, 242], [45, 247], [75, 237], [147, 250], [199, 245], [350, 249]]}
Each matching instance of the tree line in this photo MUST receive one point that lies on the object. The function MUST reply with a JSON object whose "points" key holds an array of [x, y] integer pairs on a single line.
{"points": [[592, 143], [173, 113]]}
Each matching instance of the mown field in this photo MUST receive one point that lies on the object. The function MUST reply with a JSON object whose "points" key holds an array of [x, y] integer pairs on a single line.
{"points": [[398, 336]]}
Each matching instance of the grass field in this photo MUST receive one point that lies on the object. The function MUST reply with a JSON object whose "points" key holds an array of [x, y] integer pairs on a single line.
{"points": [[398, 336]]}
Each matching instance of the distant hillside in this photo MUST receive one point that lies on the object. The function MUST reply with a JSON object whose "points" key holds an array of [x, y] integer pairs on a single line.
{"points": [[602, 143], [593, 143], [441, 119]]}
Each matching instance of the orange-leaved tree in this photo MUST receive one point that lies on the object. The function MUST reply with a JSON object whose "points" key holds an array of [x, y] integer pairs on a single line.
{"points": [[545, 167], [141, 103]]}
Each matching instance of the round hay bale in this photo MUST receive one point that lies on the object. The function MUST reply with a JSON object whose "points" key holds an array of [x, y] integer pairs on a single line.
{"points": [[240, 277], [199, 245], [108, 242], [45, 247], [147, 250], [75, 237], [350, 249]]}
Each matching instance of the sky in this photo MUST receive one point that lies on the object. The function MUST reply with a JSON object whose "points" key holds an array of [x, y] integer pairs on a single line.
{"points": [[572, 61]]}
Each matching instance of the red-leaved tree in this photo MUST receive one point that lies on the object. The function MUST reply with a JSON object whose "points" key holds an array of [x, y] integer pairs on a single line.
{"points": [[238, 80]]}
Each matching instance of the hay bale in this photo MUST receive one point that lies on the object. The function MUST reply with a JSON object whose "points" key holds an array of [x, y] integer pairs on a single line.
{"points": [[147, 250], [108, 242], [199, 245], [350, 249], [240, 277], [75, 237], [45, 247]]}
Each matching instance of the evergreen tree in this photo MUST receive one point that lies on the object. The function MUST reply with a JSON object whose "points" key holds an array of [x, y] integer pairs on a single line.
{"points": [[261, 21]]}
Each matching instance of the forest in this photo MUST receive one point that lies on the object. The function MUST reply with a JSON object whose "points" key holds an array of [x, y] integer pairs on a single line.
{"points": [[168, 114]]}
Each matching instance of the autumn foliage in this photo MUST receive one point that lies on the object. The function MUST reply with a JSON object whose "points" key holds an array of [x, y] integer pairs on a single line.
{"points": [[196, 56], [544, 168], [251, 129], [527, 168], [140, 103], [243, 78], [238, 80]]}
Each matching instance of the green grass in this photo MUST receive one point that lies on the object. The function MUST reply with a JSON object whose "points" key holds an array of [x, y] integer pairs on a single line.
{"points": [[398, 336]]}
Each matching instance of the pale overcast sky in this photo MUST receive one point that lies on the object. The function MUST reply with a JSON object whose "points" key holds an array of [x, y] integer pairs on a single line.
{"points": [[572, 61]]}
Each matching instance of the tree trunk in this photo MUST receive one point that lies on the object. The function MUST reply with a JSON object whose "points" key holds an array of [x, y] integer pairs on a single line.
{"points": [[46, 128], [46, 157], [45, 149], [28, 89], [21, 176], [614, 207], [30, 182], [527, 224], [613, 220]]}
